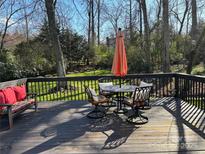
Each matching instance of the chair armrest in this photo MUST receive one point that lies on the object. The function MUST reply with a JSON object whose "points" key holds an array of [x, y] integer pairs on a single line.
{"points": [[6, 105]]}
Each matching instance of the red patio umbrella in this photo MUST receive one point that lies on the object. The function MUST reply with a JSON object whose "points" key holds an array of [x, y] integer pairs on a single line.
{"points": [[119, 66]]}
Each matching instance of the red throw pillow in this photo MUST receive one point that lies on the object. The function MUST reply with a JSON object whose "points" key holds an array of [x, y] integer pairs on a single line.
{"points": [[9, 94], [2, 100], [20, 92]]}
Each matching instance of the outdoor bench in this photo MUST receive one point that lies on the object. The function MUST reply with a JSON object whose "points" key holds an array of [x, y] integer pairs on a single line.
{"points": [[14, 100]]}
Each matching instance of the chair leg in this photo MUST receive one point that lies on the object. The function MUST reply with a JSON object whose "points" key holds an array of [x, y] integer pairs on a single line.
{"points": [[10, 117], [137, 118], [96, 113], [36, 106]]}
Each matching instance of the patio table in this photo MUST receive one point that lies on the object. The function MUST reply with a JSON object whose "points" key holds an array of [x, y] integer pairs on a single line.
{"points": [[119, 90]]}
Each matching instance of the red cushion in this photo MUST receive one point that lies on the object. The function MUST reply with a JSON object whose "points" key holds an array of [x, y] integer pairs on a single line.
{"points": [[9, 94], [20, 92], [2, 100]]}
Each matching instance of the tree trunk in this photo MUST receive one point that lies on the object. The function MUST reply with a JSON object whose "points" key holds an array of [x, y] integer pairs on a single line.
{"points": [[184, 16], [140, 15], [26, 21], [158, 38], [166, 37], [50, 9], [89, 29], [4, 35], [93, 23], [98, 22], [131, 27], [146, 36], [193, 36]]}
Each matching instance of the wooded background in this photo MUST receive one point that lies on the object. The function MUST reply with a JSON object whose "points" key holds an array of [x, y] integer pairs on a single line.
{"points": [[39, 37]]}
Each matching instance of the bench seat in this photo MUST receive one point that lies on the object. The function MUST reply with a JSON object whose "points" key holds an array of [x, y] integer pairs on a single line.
{"points": [[14, 100]]}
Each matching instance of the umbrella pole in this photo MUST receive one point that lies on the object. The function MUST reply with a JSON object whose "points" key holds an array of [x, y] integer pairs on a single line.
{"points": [[120, 96], [120, 81], [120, 99]]}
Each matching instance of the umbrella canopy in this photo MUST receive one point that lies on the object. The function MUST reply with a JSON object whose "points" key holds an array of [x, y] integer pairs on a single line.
{"points": [[119, 66]]}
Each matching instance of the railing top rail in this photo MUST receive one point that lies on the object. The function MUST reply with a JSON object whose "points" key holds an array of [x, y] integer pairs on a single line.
{"points": [[148, 75], [191, 77]]}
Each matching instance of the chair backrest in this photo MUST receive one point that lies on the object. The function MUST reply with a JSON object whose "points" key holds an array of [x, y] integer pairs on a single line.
{"points": [[92, 96], [140, 95], [147, 86]]}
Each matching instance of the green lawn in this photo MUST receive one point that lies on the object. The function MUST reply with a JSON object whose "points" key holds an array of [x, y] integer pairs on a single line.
{"points": [[90, 73], [43, 89]]}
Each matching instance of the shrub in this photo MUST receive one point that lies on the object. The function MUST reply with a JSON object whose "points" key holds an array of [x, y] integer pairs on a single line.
{"points": [[9, 71], [136, 62], [198, 70]]}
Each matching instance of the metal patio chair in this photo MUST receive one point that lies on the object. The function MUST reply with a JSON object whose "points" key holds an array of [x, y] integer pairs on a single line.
{"points": [[148, 86], [95, 100], [137, 101]]}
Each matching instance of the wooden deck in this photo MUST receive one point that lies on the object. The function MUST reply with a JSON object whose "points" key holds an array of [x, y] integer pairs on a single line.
{"points": [[62, 127]]}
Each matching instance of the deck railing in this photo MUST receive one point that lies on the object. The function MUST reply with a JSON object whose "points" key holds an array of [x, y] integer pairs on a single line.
{"points": [[47, 89], [191, 89]]}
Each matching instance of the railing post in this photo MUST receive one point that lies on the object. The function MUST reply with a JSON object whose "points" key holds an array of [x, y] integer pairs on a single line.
{"points": [[176, 86]]}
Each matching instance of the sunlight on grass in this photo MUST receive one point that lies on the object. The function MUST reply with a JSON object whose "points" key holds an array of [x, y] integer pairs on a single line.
{"points": [[90, 73], [198, 70], [45, 92]]}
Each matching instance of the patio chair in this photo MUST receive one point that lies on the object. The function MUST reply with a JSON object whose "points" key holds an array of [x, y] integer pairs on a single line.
{"points": [[109, 95], [95, 100], [137, 101], [148, 86]]}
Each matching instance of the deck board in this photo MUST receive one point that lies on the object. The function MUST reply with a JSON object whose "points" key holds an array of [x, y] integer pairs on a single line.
{"points": [[62, 127]]}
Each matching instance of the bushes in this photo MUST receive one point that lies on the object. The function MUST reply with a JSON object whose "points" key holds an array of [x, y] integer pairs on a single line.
{"points": [[136, 62], [104, 57], [8, 67], [198, 70], [9, 71], [33, 58]]}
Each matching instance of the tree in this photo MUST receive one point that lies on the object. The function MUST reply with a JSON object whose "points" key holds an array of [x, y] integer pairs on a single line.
{"points": [[113, 14], [146, 36], [98, 7], [181, 21], [93, 23], [166, 37], [130, 21], [11, 8], [140, 16], [54, 38], [193, 35]]}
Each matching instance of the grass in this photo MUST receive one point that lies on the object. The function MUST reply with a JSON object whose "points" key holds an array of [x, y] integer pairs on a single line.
{"points": [[198, 70], [43, 89], [90, 73]]}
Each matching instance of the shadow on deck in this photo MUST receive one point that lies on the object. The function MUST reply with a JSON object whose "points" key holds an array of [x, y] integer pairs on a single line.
{"points": [[62, 127]]}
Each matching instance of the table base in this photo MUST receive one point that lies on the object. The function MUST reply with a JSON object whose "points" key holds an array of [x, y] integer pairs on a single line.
{"points": [[121, 111]]}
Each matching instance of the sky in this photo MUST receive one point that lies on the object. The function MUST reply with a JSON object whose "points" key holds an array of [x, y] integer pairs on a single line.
{"points": [[79, 18], [74, 14], [79, 21]]}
